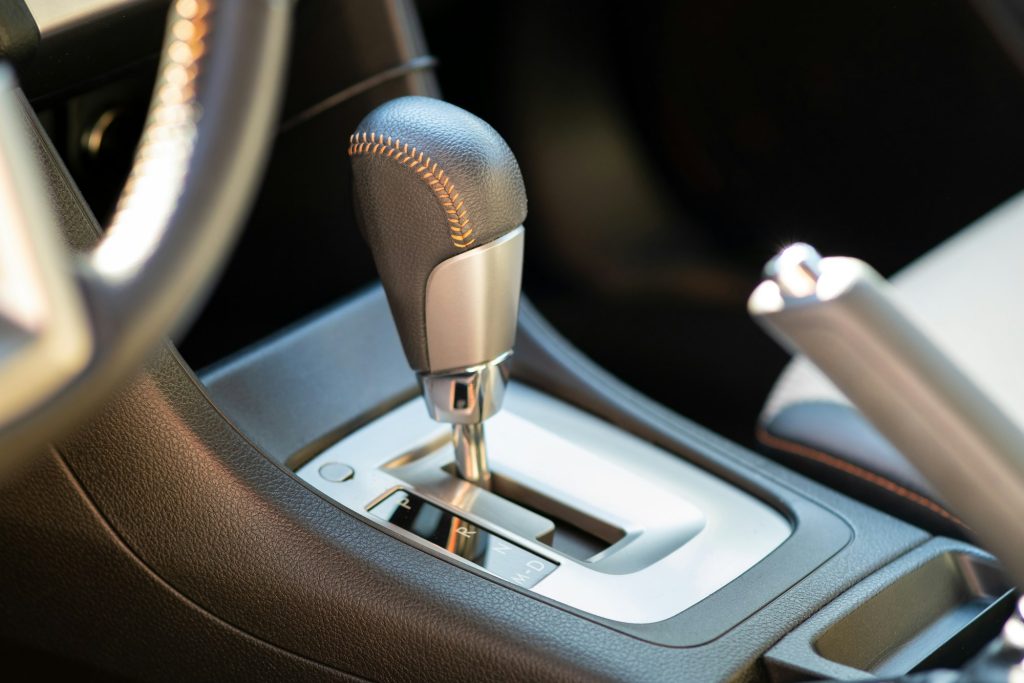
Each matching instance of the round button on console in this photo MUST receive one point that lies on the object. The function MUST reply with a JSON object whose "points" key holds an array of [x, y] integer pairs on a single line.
{"points": [[336, 472]]}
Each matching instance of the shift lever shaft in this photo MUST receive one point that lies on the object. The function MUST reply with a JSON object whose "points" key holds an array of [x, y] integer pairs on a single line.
{"points": [[440, 201]]}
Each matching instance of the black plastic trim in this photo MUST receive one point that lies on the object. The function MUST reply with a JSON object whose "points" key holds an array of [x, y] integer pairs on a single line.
{"points": [[254, 389], [19, 35]]}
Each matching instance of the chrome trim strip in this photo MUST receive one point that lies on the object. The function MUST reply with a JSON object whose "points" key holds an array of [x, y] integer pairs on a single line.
{"points": [[472, 304]]}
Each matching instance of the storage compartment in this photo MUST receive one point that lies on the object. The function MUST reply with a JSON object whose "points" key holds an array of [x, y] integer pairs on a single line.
{"points": [[936, 607], [938, 615]]}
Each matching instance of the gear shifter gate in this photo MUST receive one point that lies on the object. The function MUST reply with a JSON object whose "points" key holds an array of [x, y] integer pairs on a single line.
{"points": [[464, 538], [672, 534]]}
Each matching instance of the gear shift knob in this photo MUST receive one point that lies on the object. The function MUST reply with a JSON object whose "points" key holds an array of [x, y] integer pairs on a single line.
{"points": [[440, 200]]}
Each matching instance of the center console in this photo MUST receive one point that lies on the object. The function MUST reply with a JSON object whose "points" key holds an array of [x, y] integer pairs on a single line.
{"points": [[553, 501], [596, 519], [750, 551], [583, 496], [584, 472], [300, 508]]}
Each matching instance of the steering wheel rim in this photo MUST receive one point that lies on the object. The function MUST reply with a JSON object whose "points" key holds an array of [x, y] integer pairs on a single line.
{"points": [[75, 328]]}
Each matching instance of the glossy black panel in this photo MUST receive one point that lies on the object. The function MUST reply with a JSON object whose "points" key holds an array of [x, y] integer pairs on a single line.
{"points": [[463, 538]]}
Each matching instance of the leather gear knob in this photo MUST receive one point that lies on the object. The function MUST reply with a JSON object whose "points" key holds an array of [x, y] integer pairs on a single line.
{"points": [[430, 182]]}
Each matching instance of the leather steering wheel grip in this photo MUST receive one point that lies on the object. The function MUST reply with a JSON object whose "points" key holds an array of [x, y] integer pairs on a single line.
{"points": [[207, 138], [430, 181]]}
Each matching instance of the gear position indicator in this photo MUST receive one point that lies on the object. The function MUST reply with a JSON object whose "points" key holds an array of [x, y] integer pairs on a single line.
{"points": [[463, 538]]}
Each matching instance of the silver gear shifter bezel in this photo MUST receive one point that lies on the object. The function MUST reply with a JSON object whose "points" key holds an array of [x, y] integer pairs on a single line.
{"points": [[471, 304], [687, 532]]}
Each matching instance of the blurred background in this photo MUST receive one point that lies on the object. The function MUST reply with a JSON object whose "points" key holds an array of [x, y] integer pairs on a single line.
{"points": [[668, 147]]}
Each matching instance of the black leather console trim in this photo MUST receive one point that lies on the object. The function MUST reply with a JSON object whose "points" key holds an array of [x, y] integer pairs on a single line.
{"points": [[239, 536], [93, 599], [244, 539], [250, 386], [284, 394], [285, 391], [833, 443]]}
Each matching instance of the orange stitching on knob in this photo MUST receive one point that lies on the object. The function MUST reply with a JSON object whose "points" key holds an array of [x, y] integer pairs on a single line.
{"points": [[459, 227]]}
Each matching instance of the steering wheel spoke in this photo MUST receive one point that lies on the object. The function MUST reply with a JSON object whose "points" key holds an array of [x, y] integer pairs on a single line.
{"points": [[73, 329], [45, 337]]}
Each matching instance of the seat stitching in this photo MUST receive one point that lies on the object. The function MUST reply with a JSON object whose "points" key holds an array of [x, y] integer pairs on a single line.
{"points": [[794, 448]]}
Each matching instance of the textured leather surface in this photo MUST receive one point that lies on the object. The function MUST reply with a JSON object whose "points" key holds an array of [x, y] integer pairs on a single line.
{"points": [[71, 587], [417, 164], [290, 389], [243, 539], [286, 393], [184, 498], [965, 296]]}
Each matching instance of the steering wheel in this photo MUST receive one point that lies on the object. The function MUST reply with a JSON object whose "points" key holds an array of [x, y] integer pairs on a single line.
{"points": [[73, 328]]}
